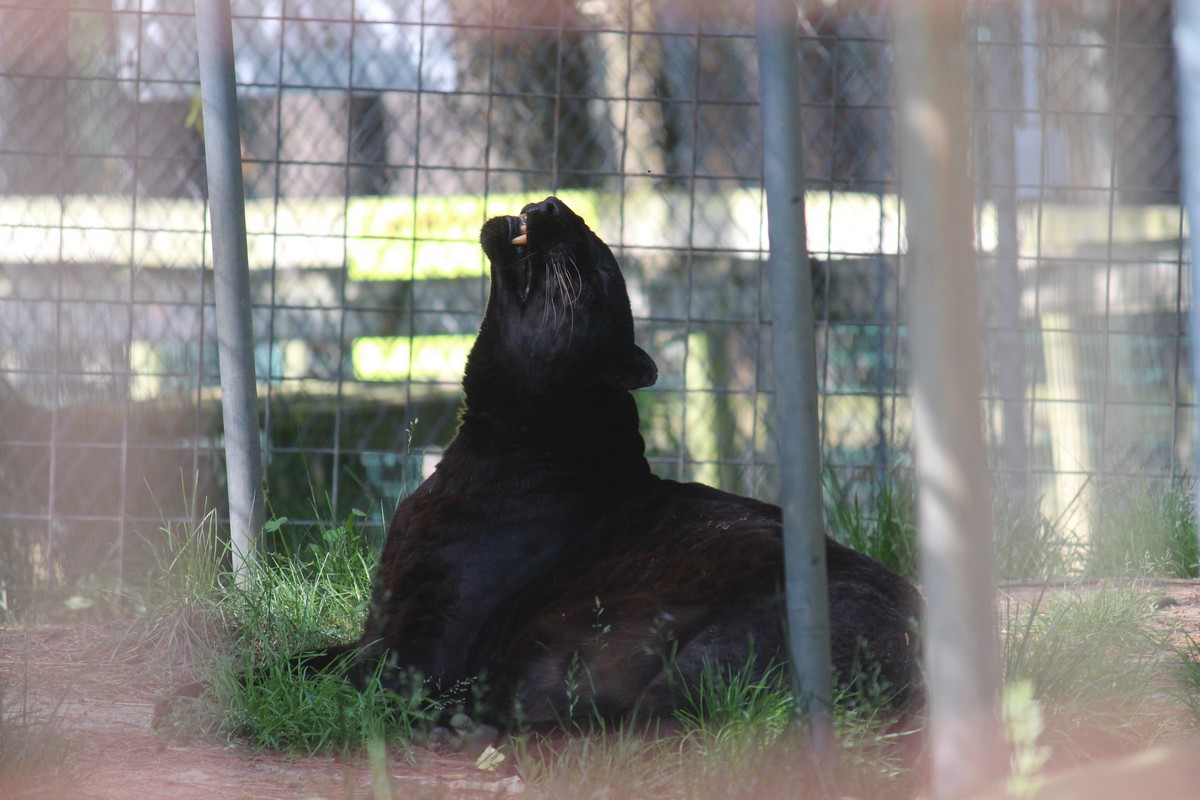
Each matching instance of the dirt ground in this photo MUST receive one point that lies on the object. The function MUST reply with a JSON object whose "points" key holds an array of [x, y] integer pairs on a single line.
{"points": [[106, 708]]}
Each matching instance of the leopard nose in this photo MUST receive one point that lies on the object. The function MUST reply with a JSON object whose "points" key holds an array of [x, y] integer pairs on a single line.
{"points": [[551, 206]]}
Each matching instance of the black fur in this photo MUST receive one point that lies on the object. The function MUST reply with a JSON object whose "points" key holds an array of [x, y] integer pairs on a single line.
{"points": [[543, 553]]}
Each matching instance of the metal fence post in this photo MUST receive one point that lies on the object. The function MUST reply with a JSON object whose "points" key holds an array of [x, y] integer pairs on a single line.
{"points": [[1003, 279], [944, 342], [795, 369], [235, 341], [1187, 53]]}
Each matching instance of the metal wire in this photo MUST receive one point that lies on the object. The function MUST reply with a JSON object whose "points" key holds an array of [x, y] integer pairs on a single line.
{"points": [[377, 136]]}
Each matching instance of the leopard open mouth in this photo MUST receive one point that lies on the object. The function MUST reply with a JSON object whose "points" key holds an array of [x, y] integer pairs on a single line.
{"points": [[519, 239], [522, 237]]}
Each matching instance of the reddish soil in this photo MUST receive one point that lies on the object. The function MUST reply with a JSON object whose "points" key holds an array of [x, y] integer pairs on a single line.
{"points": [[106, 707]]}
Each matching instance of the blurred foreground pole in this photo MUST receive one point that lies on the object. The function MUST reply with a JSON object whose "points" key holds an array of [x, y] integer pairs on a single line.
{"points": [[223, 157], [944, 343], [795, 370], [1187, 51]]}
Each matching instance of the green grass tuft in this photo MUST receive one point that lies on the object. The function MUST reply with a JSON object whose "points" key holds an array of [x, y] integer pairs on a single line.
{"points": [[283, 709], [884, 526], [733, 738], [1101, 671], [1028, 544], [185, 610], [1144, 528], [290, 600], [727, 709]]}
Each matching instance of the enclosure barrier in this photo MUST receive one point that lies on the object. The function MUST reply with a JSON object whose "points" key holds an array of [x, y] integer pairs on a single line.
{"points": [[239, 406], [1187, 49], [377, 137], [794, 351]]}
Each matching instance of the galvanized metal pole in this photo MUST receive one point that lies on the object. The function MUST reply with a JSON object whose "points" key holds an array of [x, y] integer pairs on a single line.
{"points": [[1187, 51], [945, 346], [795, 369], [235, 340]]}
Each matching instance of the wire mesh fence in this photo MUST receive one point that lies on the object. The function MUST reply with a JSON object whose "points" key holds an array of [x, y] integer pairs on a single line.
{"points": [[378, 135]]}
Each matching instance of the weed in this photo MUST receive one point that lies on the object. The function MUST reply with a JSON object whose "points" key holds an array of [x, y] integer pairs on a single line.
{"points": [[1028, 544], [884, 527], [1188, 694], [260, 704], [377, 758], [297, 601], [289, 601], [733, 706], [732, 738], [1023, 728], [32, 744], [1144, 528], [1097, 665], [185, 611]]}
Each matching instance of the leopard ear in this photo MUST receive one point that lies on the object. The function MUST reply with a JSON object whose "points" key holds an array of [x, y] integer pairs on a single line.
{"points": [[635, 369]]}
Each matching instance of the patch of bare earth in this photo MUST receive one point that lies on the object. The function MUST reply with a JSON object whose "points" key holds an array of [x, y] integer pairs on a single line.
{"points": [[106, 707]]}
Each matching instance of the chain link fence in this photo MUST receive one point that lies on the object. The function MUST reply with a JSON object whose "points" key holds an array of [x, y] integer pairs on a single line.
{"points": [[379, 134]]}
